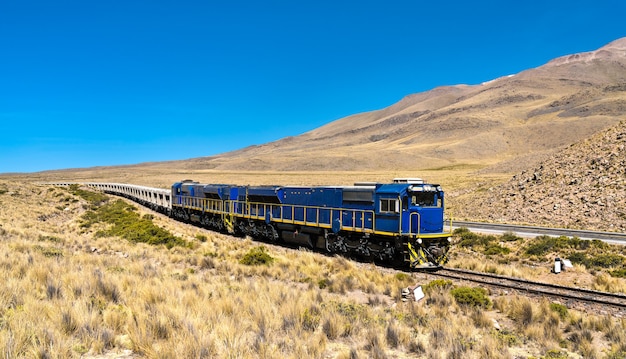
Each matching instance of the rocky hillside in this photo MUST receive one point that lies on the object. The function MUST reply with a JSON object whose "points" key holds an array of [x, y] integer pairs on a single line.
{"points": [[510, 123], [583, 186]]}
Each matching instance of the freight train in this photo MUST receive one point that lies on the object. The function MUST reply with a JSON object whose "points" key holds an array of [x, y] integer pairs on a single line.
{"points": [[399, 223]]}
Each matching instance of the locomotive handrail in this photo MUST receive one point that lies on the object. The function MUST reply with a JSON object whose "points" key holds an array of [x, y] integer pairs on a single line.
{"points": [[201, 204], [361, 220], [419, 223], [259, 211]]}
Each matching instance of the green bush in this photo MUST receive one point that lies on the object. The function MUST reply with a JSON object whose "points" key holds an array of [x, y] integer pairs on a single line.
{"points": [[126, 223], [560, 309], [473, 297], [323, 283], [311, 318], [506, 337], [49, 251], [494, 249], [579, 258], [509, 237], [257, 256], [598, 244], [618, 273], [543, 245], [94, 198], [437, 284], [471, 239], [609, 260], [578, 243], [487, 244]]}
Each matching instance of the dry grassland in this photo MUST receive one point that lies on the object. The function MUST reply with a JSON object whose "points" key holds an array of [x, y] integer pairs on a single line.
{"points": [[68, 293]]}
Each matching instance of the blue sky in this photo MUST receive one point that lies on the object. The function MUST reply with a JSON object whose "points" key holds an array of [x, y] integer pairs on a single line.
{"points": [[98, 83]]}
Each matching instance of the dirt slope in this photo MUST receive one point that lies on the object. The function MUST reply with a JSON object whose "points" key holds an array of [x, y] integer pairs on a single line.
{"points": [[582, 186]]}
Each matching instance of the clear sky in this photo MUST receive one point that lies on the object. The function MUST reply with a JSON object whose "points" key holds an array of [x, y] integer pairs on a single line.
{"points": [[98, 83]]}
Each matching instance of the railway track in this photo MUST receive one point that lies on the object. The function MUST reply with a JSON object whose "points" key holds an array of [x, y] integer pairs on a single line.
{"points": [[579, 298], [573, 297], [534, 231]]}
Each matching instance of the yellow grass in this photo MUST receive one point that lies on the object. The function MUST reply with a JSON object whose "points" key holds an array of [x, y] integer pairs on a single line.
{"points": [[67, 294]]}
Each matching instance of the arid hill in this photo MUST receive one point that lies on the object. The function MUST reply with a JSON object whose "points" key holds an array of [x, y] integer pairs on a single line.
{"points": [[503, 126], [582, 186], [509, 123]]}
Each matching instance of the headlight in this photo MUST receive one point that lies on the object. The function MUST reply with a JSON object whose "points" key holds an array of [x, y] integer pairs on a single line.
{"points": [[419, 241]]}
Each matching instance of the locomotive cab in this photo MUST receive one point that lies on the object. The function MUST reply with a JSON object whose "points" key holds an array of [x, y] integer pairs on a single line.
{"points": [[425, 204], [411, 209]]}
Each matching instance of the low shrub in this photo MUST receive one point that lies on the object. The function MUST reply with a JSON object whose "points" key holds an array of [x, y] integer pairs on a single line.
{"points": [[49, 251], [437, 284], [257, 256], [506, 337], [541, 246], [352, 312], [487, 244], [94, 198], [608, 260], [618, 273], [323, 283], [311, 318], [579, 258], [148, 216], [545, 244], [473, 297], [495, 249], [560, 309], [128, 224], [509, 237], [470, 239]]}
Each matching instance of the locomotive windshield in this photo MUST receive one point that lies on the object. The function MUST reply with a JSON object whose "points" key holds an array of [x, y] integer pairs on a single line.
{"points": [[425, 196]]}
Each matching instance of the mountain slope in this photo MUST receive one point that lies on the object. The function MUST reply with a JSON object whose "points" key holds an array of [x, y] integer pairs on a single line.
{"points": [[582, 186], [509, 123]]}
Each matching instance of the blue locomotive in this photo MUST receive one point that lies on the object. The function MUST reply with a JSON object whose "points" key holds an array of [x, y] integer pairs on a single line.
{"points": [[399, 223]]}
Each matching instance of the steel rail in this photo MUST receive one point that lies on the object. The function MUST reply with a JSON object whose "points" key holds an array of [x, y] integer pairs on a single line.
{"points": [[615, 237], [616, 300]]}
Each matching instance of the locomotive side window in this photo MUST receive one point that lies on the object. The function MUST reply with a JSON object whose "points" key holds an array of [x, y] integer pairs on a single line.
{"points": [[389, 205]]}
